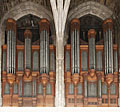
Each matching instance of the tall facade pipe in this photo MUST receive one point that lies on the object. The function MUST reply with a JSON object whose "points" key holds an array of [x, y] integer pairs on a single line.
{"points": [[108, 45], [11, 46], [44, 46], [91, 37], [28, 37], [75, 46]]}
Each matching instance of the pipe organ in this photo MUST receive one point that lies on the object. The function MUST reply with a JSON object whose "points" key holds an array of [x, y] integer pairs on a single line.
{"points": [[28, 70], [29, 65], [91, 69]]}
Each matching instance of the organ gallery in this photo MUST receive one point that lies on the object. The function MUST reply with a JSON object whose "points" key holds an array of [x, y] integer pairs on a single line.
{"points": [[47, 61]]}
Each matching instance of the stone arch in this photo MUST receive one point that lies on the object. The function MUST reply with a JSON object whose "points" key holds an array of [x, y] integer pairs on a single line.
{"points": [[90, 7], [21, 10]]}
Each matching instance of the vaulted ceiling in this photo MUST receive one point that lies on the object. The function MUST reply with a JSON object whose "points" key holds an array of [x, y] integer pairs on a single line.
{"points": [[114, 5]]}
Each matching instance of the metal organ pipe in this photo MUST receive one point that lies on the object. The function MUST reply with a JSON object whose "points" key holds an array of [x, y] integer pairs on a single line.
{"points": [[108, 46], [91, 36], [75, 46], [28, 36], [11, 46], [44, 46], [72, 53]]}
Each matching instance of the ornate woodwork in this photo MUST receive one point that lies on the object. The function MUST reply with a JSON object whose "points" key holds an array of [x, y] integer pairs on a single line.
{"points": [[92, 87], [27, 86]]}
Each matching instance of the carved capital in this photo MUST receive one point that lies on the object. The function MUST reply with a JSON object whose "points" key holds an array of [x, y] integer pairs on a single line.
{"points": [[75, 24], [11, 24], [11, 78], [107, 24], [91, 33], [44, 25], [92, 75], [109, 78], [44, 79], [75, 78], [28, 34]]}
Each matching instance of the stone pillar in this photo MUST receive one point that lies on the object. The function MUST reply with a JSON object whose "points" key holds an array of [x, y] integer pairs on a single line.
{"points": [[91, 37], [119, 65], [108, 46], [28, 36], [59, 87]]}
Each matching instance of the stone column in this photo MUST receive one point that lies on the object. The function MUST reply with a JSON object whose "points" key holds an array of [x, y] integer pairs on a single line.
{"points": [[59, 87], [119, 65], [91, 37], [28, 36]]}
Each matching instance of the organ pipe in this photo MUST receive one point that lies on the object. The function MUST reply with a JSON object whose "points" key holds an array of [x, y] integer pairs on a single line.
{"points": [[91, 36], [28, 36], [108, 46], [44, 46], [75, 46], [85, 88], [11, 46], [4, 61], [99, 88]]}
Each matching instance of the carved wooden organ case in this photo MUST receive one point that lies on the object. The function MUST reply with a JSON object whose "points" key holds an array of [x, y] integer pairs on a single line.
{"points": [[28, 71], [91, 71]]}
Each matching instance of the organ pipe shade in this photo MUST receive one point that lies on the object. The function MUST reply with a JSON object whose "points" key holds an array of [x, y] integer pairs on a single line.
{"points": [[7, 88], [99, 61], [28, 36], [115, 61], [85, 88], [67, 61], [27, 89], [92, 90], [112, 89], [71, 89], [11, 46], [75, 47], [35, 61], [4, 61], [40, 88], [91, 36], [79, 89], [84, 61], [34, 88], [99, 88], [20, 88], [104, 89], [52, 61], [15, 88], [108, 46], [20, 61], [48, 89]]}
